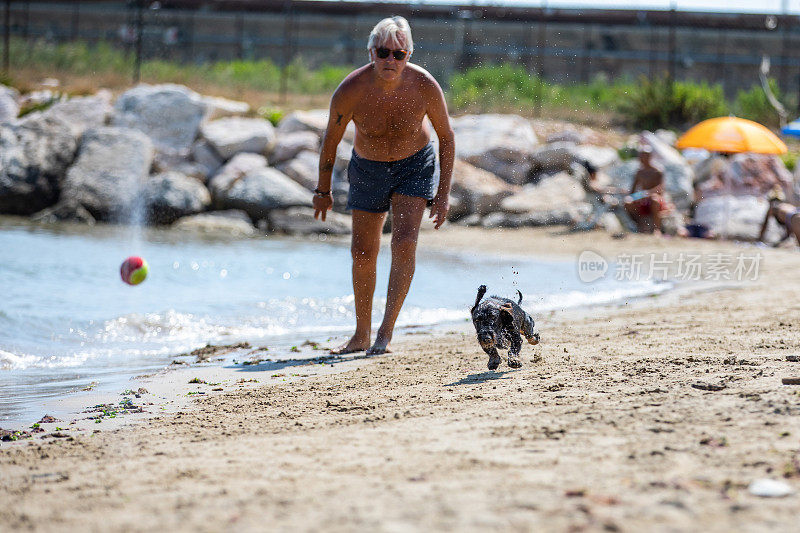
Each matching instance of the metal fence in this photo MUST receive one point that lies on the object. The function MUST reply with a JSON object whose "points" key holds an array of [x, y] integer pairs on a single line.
{"points": [[566, 46]]}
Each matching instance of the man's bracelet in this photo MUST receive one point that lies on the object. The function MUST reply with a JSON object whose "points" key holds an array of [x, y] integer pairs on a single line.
{"points": [[322, 194]]}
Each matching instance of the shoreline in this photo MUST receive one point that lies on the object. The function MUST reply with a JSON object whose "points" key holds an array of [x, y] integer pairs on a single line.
{"points": [[169, 388], [606, 426], [103, 385]]}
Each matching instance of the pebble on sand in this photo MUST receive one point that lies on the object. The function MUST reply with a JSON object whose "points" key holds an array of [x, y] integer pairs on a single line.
{"points": [[708, 386], [769, 488]]}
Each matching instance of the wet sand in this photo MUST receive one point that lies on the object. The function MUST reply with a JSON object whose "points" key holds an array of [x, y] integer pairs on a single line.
{"points": [[603, 428]]}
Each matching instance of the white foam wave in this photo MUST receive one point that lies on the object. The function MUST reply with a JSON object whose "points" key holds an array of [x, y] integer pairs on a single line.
{"points": [[573, 299], [157, 336], [10, 361]]}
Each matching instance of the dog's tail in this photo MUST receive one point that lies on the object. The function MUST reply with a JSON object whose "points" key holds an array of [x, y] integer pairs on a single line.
{"points": [[481, 292], [520, 297]]}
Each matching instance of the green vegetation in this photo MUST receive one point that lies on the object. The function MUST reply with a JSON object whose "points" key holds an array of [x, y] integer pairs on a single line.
{"points": [[753, 104], [101, 64], [790, 160], [655, 103], [271, 114], [511, 86], [643, 103], [660, 103]]}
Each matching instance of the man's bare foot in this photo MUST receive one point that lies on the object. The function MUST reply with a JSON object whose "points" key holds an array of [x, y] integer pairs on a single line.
{"points": [[380, 346], [353, 345]]}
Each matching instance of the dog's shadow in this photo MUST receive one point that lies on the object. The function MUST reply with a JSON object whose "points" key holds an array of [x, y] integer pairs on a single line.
{"points": [[483, 377]]}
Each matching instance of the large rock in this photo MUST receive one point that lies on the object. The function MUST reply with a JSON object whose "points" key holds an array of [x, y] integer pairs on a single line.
{"points": [[735, 217], [68, 210], [559, 130], [205, 155], [234, 170], [559, 156], [174, 163], [171, 195], [34, 155], [315, 121], [42, 98], [474, 190], [232, 223], [501, 144], [9, 104], [304, 169], [260, 191], [287, 146], [677, 180], [555, 217], [169, 114], [556, 193], [344, 152], [109, 173], [218, 107], [301, 221], [568, 135], [233, 135], [83, 112]]}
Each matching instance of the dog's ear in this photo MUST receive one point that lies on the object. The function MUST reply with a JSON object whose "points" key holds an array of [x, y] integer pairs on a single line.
{"points": [[481, 292], [506, 315], [520, 297]]}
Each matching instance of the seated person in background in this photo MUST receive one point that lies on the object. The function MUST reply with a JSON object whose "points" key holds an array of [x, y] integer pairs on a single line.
{"points": [[601, 198], [647, 195], [784, 214]]}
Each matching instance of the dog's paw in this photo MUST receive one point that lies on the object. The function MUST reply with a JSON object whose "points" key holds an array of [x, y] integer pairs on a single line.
{"points": [[533, 339], [494, 362], [514, 363]]}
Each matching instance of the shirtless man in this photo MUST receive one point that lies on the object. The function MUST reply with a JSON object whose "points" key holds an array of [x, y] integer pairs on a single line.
{"points": [[646, 212], [392, 166]]}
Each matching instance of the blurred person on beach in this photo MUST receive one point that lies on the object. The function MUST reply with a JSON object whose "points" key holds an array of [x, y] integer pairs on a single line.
{"points": [[647, 202], [602, 199], [393, 166], [784, 213]]}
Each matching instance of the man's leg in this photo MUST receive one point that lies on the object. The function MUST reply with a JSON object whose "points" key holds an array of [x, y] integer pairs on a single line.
{"points": [[407, 214], [634, 211], [365, 244], [657, 213]]}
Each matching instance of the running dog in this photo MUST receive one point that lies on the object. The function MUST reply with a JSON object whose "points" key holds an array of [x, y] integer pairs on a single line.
{"points": [[499, 321]]}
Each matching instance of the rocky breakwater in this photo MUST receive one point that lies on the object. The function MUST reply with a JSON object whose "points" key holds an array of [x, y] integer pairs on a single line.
{"points": [[161, 155], [165, 155]]}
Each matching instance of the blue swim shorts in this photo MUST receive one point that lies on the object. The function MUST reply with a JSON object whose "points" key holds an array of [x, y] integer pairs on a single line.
{"points": [[372, 183]]}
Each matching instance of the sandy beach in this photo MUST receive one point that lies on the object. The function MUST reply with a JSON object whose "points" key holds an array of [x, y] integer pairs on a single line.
{"points": [[603, 428]]}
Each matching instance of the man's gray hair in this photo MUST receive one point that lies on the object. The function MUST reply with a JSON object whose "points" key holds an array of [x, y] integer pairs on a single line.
{"points": [[391, 30]]}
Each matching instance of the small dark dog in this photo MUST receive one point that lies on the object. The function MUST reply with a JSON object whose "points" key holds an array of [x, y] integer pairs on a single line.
{"points": [[499, 321]]}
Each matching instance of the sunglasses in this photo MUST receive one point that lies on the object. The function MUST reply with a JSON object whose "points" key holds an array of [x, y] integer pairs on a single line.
{"points": [[383, 53]]}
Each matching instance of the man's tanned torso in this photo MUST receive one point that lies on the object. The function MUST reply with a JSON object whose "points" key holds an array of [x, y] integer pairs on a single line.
{"points": [[389, 123]]}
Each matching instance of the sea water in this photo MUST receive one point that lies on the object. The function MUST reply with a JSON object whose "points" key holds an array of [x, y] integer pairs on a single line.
{"points": [[67, 319]]}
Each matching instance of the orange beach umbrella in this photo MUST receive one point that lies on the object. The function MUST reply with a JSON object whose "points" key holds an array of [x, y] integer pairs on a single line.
{"points": [[732, 135]]}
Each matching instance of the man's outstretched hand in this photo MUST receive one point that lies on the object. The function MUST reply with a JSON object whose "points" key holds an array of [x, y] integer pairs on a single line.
{"points": [[321, 205], [439, 208]]}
